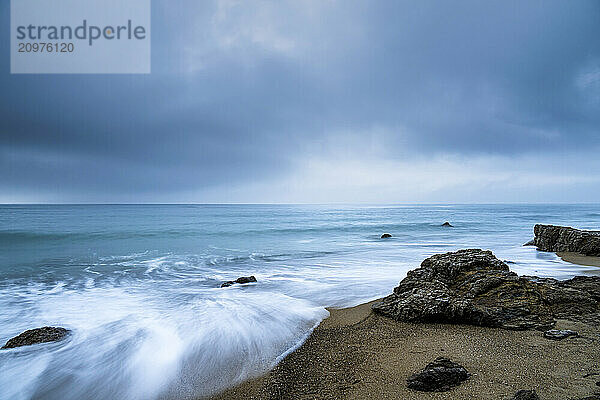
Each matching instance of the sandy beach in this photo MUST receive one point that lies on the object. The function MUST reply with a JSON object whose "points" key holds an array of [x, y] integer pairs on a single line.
{"points": [[575, 258], [356, 354]]}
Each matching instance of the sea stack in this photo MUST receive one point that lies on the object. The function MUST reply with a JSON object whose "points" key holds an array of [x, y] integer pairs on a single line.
{"points": [[562, 238]]}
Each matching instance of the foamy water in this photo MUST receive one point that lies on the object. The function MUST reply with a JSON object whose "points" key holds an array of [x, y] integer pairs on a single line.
{"points": [[140, 285]]}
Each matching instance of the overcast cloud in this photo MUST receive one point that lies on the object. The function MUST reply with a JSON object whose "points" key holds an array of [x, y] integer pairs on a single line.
{"points": [[321, 101]]}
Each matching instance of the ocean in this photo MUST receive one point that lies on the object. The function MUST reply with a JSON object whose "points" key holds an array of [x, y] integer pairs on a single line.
{"points": [[139, 285]]}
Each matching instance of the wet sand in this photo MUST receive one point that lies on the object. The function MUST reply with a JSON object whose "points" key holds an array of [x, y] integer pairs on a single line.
{"points": [[355, 354], [576, 258]]}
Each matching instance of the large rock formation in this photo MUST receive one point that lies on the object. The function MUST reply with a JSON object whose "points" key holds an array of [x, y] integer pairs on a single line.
{"points": [[561, 238], [38, 335], [474, 287]]}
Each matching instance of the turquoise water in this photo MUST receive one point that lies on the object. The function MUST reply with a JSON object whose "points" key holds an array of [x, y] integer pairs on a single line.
{"points": [[139, 284]]}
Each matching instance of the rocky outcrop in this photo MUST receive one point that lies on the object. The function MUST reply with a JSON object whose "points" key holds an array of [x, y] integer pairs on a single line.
{"points": [[561, 238], [474, 287], [438, 376], [386, 236], [243, 279], [447, 224], [38, 335]]}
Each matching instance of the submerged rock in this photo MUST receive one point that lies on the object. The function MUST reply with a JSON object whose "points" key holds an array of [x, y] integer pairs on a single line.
{"points": [[474, 287], [558, 334], [561, 238], [448, 224], [526, 395], [243, 279], [386, 236], [438, 376], [38, 335]]}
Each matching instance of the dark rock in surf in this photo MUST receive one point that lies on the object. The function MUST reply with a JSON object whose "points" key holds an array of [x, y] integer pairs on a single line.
{"points": [[561, 238], [530, 243], [448, 224], [39, 335], [474, 287], [526, 395], [438, 376], [386, 236], [559, 334], [242, 280]]}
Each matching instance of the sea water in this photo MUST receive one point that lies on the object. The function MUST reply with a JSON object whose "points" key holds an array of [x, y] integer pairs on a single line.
{"points": [[139, 285]]}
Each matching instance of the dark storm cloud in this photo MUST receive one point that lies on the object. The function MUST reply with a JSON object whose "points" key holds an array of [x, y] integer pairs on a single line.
{"points": [[240, 89]]}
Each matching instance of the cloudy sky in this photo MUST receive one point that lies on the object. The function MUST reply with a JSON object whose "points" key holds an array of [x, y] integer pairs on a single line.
{"points": [[321, 101]]}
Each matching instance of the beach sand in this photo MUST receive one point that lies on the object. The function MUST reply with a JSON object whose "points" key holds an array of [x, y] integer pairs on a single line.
{"points": [[356, 354], [576, 258]]}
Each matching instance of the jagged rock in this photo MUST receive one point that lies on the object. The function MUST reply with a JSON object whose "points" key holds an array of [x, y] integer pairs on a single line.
{"points": [[386, 236], [561, 238], [448, 224], [526, 395], [474, 287], [243, 279], [438, 376], [558, 334], [38, 335]]}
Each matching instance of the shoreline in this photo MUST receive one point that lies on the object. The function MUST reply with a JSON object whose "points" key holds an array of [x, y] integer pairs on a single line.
{"points": [[357, 354], [579, 259]]}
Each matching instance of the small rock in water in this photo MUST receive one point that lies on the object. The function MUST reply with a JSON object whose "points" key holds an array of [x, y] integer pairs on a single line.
{"points": [[558, 334], [438, 376], [38, 335], [526, 395], [447, 224], [530, 243], [243, 279], [386, 236]]}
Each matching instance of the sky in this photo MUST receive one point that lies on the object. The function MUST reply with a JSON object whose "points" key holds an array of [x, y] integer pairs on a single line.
{"points": [[320, 101]]}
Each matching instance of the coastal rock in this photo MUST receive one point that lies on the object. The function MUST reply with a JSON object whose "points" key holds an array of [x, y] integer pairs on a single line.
{"points": [[38, 335], [561, 238], [448, 224], [386, 236], [474, 287], [526, 395], [243, 279], [438, 376], [558, 334]]}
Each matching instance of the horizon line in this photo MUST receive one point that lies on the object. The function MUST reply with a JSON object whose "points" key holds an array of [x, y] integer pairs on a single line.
{"points": [[289, 203]]}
